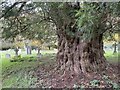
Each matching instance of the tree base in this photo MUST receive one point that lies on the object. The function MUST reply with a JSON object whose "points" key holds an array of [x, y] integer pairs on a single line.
{"points": [[59, 79]]}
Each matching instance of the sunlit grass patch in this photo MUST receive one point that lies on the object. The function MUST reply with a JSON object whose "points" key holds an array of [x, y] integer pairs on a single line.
{"points": [[20, 74], [112, 57]]}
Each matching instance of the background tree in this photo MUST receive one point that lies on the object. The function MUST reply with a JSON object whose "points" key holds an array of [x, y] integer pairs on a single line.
{"points": [[28, 25], [113, 38]]}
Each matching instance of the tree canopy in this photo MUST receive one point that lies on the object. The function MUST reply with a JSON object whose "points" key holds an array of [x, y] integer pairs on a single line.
{"points": [[28, 18]]}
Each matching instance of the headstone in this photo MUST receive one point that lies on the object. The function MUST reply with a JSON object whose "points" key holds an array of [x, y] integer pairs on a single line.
{"points": [[28, 50], [111, 47], [105, 47], [8, 56], [19, 52], [39, 55], [16, 51]]}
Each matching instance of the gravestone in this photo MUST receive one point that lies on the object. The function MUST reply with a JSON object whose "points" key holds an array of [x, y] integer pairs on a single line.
{"points": [[8, 56], [19, 52], [28, 50], [39, 55], [16, 51]]}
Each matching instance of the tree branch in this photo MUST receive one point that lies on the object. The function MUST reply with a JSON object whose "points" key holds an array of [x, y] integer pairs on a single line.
{"points": [[11, 7], [23, 4]]}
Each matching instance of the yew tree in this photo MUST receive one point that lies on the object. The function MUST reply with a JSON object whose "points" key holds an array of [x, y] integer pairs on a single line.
{"points": [[79, 28]]}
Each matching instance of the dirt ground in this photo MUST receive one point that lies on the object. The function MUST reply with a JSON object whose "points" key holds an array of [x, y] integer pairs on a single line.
{"points": [[48, 78]]}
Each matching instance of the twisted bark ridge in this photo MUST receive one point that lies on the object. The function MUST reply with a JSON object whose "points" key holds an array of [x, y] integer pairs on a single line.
{"points": [[76, 57]]}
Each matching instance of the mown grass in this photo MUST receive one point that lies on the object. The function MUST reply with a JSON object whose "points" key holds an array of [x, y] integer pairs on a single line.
{"points": [[113, 58], [21, 74], [18, 74]]}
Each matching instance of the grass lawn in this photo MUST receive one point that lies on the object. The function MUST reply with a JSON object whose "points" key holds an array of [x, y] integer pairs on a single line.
{"points": [[113, 58], [21, 74]]}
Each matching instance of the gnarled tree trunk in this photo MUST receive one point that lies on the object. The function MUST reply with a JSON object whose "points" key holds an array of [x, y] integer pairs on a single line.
{"points": [[76, 56]]}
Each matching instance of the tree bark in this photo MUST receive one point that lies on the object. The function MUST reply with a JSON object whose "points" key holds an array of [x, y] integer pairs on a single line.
{"points": [[76, 56], [49, 47], [115, 48], [38, 51]]}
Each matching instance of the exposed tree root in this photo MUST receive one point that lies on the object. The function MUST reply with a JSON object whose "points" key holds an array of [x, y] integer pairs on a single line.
{"points": [[59, 79]]}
